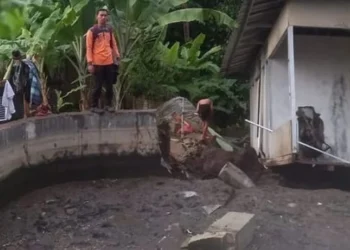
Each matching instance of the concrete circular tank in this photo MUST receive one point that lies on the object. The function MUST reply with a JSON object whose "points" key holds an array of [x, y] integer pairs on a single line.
{"points": [[86, 139]]}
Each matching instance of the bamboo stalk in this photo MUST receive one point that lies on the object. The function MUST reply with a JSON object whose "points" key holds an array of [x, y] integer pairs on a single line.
{"points": [[7, 74]]}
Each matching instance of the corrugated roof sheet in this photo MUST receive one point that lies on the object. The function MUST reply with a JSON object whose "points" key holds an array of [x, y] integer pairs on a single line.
{"points": [[255, 20]]}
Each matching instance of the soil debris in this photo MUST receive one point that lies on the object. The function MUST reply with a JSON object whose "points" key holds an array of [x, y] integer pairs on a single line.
{"points": [[137, 213], [183, 150]]}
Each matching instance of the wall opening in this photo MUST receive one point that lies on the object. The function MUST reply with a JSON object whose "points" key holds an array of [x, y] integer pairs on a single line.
{"points": [[323, 82]]}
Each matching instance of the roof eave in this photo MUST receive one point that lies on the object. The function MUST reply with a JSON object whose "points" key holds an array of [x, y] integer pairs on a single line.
{"points": [[235, 35], [256, 19]]}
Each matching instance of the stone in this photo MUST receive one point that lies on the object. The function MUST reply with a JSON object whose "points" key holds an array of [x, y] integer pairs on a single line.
{"points": [[184, 245], [47, 240], [235, 177], [51, 201], [70, 211], [189, 194], [292, 205], [240, 225], [209, 209], [210, 241], [173, 238]]}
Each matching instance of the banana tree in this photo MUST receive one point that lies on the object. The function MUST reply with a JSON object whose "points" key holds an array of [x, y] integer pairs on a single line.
{"points": [[191, 63], [189, 56], [76, 56], [74, 49], [141, 24], [40, 37], [61, 103], [173, 70]]}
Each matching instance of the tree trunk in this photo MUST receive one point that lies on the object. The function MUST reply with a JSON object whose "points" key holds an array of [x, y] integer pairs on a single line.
{"points": [[44, 89], [186, 27], [145, 103], [83, 105]]}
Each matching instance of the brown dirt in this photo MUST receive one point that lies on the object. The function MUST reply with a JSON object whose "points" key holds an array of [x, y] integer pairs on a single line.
{"points": [[308, 209], [108, 214], [305, 210]]}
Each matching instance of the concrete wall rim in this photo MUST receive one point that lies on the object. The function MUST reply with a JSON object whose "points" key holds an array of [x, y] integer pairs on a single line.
{"points": [[42, 140]]}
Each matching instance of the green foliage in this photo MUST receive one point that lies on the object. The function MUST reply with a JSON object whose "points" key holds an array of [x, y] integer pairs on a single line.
{"points": [[76, 56], [217, 34], [140, 26], [154, 65], [189, 56], [196, 14], [228, 95], [61, 103], [172, 69]]}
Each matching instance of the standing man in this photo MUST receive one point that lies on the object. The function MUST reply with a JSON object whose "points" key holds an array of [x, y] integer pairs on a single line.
{"points": [[205, 111], [102, 53]]}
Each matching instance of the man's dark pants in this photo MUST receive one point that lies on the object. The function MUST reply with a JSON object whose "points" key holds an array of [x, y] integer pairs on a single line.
{"points": [[103, 74]]}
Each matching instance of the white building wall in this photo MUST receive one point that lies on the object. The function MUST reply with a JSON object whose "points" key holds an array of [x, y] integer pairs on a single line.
{"points": [[323, 81], [257, 105], [279, 142], [253, 109], [274, 106], [304, 13], [322, 76], [319, 13], [280, 102]]}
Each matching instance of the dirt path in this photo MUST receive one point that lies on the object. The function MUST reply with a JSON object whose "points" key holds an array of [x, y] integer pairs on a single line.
{"points": [[138, 213]]}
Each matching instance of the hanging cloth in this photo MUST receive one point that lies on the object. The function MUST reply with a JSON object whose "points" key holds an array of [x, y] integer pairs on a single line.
{"points": [[7, 100]]}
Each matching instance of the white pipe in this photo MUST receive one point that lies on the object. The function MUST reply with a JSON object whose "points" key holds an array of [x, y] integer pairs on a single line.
{"points": [[258, 125], [325, 153]]}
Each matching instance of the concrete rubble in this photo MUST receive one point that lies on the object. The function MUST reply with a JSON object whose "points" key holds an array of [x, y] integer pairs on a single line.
{"points": [[210, 241], [209, 209], [235, 177], [170, 241], [187, 154], [233, 231]]}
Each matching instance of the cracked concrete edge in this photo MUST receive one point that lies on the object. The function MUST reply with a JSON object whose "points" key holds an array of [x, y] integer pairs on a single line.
{"points": [[239, 226], [35, 141]]}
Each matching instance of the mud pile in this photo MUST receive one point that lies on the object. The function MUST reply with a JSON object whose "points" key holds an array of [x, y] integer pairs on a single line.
{"points": [[184, 152]]}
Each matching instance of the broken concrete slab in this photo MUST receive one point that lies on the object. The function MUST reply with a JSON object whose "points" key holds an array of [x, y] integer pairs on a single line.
{"points": [[210, 241], [172, 238], [233, 231], [235, 177], [240, 225], [209, 209]]}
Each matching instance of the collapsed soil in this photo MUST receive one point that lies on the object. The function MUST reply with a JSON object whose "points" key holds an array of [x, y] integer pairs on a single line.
{"points": [[142, 213]]}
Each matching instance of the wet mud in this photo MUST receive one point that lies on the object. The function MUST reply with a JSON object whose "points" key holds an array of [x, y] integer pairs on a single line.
{"points": [[297, 208]]}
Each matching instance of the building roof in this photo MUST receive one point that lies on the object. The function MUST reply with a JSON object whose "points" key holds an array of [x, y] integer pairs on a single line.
{"points": [[255, 21]]}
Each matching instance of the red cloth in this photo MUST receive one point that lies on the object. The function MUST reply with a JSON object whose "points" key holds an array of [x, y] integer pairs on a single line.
{"points": [[188, 129], [43, 110]]}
